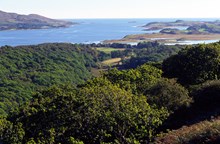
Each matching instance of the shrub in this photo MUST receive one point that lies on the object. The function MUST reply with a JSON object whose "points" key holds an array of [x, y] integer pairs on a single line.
{"points": [[207, 96], [167, 93]]}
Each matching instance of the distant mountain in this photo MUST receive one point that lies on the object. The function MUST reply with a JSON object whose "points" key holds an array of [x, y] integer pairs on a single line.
{"points": [[32, 21]]}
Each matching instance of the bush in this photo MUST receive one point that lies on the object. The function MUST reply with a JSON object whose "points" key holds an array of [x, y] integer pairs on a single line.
{"points": [[207, 96], [169, 94]]}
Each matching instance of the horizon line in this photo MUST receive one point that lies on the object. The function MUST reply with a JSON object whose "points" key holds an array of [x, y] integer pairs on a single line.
{"points": [[148, 18]]}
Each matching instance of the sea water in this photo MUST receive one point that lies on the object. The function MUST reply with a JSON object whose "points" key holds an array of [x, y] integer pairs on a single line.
{"points": [[85, 31]]}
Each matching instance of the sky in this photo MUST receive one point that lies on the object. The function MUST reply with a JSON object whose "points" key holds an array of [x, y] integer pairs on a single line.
{"points": [[115, 8]]}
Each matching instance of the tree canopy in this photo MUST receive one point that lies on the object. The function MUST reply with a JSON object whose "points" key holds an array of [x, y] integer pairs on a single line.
{"points": [[138, 80], [194, 65], [91, 114], [121, 106], [168, 93], [26, 69]]}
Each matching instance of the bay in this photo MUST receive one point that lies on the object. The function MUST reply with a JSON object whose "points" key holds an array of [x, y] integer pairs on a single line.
{"points": [[86, 31]]}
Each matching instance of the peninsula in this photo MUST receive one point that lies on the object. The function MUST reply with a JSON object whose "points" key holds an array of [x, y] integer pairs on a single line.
{"points": [[175, 32], [13, 21]]}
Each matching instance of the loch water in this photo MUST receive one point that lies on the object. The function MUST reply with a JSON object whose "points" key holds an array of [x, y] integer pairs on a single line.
{"points": [[85, 31]]}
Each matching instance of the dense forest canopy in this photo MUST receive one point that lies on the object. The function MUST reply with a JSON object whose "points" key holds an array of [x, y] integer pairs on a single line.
{"points": [[26, 69], [120, 106], [143, 52]]}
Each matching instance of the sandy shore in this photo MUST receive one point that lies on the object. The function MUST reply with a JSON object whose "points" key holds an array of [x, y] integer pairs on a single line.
{"points": [[165, 38]]}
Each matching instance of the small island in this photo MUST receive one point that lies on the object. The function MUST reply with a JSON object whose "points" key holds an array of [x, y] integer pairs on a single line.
{"points": [[13, 21], [176, 32]]}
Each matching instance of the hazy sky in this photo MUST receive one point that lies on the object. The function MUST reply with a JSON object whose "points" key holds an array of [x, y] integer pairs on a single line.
{"points": [[115, 8]]}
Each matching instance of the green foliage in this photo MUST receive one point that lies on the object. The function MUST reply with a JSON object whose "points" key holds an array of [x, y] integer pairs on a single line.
{"points": [[207, 96], [205, 105], [136, 55], [126, 106], [91, 114], [26, 69], [31, 141], [47, 117], [137, 80], [149, 52], [194, 65], [11, 133], [167, 93], [112, 113], [4, 127], [74, 141]]}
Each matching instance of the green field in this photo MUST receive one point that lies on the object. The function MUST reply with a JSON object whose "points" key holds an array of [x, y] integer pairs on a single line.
{"points": [[109, 50], [112, 61]]}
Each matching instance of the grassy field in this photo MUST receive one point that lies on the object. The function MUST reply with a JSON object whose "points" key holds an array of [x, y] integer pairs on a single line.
{"points": [[109, 50], [105, 65], [112, 61]]}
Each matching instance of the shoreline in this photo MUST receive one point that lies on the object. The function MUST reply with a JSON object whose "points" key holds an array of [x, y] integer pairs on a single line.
{"points": [[165, 38]]}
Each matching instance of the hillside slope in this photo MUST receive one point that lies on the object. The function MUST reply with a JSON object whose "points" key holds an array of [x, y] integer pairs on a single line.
{"points": [[26, 69], [32, 21], [206, 132]]}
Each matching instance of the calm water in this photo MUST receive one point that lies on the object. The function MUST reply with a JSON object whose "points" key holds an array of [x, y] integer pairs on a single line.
{"points": [[87, 31]]}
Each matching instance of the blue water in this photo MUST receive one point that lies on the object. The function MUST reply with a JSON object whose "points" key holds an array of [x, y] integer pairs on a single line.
{"points": [[86, 31]]}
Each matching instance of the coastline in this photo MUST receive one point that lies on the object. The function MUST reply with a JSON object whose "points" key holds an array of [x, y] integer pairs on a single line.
{"points": [[87, 31], [165, 38]]}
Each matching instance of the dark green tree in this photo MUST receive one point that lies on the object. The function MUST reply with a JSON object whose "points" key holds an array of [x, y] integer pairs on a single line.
{"points": [[207, 96], [194, 65], [167, 93], [26, 69]]}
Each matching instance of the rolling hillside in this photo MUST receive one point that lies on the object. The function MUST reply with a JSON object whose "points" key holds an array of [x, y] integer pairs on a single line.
{"points": [[10, 21]]}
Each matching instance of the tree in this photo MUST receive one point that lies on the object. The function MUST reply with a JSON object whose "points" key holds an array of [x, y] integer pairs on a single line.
{"points": [[26, 69], [11, 133], [89, 114], [167, 93], [137, 80], [207, 96], [111, 114], [194, 65]]}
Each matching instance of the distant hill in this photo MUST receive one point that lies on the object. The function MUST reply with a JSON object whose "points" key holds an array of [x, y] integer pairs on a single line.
{"points": [[33, 21]]}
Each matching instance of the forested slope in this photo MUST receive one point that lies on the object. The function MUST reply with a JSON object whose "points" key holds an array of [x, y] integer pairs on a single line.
{"points": [[131, 106], [26, 69]]}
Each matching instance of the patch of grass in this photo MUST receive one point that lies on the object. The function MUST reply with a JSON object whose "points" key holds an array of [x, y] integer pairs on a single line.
{"points": [[108, 50], [112, 61], [97, 72]]}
